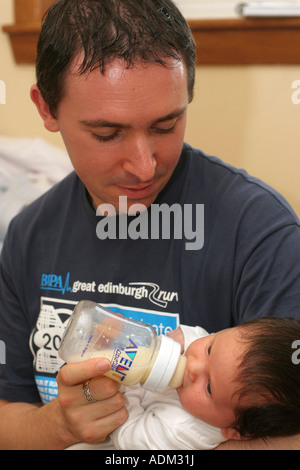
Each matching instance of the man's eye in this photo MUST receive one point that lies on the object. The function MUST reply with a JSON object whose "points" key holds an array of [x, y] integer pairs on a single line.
{"points": [[165, 131], [106, 138], [167, 128]]}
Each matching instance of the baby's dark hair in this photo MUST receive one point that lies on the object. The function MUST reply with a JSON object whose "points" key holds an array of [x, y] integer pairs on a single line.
{"points": [[269, 372]]}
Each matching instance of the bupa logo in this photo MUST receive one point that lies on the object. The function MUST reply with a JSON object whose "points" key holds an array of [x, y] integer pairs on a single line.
{"points": [[56, 283]]}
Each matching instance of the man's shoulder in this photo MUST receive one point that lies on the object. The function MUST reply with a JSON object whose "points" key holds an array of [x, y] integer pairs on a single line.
{"points": [[50, 204], [219, 182]]}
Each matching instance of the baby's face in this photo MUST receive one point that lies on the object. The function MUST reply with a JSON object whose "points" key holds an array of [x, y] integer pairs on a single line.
{"points": [[209, 381]]}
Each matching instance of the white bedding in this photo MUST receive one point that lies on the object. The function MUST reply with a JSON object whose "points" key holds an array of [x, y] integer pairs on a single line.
{"points": [[28, 168]]}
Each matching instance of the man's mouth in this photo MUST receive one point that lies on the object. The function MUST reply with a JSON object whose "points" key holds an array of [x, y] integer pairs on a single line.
{"points": [[137, 191]]}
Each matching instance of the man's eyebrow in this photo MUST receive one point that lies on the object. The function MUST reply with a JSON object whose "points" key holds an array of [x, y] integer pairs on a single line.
{"points": [[173, 115], [104, 123]]}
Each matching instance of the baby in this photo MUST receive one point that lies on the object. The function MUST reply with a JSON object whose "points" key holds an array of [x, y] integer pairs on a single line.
{"points": [[243, 379], [240, 383]]}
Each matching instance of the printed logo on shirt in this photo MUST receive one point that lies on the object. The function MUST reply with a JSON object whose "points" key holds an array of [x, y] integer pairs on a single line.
{"points": [[45, 341], [138, 290], [51, 324], [56, 283]]}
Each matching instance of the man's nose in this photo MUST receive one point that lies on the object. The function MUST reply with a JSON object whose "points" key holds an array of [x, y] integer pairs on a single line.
{"points": [[140, 160]]}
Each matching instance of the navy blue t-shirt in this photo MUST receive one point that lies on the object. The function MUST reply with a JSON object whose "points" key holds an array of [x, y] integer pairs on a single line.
{"points": [[248, 266]]}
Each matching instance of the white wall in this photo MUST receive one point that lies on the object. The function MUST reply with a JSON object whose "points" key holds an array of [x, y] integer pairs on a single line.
{"points": [[214, 8], [18, 117]]}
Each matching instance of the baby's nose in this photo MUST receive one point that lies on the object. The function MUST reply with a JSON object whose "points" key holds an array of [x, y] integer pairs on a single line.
{"points": [[196, 369]]}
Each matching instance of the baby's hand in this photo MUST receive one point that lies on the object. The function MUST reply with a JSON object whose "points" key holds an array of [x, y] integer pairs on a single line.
{"points": [[177, 335]]}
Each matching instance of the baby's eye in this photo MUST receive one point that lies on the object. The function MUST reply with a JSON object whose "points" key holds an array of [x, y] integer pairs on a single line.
{"points": [[209, 388], [208, 350]]}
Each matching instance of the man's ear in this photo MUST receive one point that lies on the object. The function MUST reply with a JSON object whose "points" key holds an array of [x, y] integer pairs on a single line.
{"points": [[231, 434], [50, 122]]}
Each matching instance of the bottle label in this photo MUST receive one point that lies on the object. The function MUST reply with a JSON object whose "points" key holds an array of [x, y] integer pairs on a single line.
{"points": [[122, 360]]}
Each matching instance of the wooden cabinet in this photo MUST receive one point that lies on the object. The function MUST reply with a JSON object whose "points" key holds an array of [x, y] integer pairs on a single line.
{"points": [[25, 32], [30, 11], [219, 42], [247, 41]]}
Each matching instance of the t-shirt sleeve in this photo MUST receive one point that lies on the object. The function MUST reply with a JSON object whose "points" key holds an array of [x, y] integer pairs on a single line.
{"points": [[267, 270], [17, 383]]}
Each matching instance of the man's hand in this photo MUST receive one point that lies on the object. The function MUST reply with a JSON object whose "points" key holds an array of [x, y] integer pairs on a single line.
{"points": [[90, 422]]}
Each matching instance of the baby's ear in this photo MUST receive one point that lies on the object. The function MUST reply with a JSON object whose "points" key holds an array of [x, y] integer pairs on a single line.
{"points": [[231, 434]]}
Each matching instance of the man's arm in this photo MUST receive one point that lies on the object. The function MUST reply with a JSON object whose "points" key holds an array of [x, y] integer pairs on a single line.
{"points": [[68, 419], [25, 426]]}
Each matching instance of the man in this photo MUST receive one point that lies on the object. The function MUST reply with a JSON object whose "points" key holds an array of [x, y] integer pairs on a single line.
{"points": [[115, 78]]}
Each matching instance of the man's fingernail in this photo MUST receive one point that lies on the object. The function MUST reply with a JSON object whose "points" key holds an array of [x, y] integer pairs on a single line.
{"points": [[103, 365]]}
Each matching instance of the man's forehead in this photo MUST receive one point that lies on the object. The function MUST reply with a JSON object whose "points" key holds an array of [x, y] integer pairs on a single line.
{"points": [[152, 89], [116, 68]]}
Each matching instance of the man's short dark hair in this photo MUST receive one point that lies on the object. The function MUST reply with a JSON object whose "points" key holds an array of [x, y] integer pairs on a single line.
{"points": [[151, 31]]}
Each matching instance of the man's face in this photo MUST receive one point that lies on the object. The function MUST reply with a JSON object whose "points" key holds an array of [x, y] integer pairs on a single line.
{"points": [[124, 130]]}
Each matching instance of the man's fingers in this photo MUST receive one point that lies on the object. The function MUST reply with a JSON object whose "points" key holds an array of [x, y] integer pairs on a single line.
{"points": [[80, 372], [97, 431], [100, 388], [104, 408], [103, 387]]}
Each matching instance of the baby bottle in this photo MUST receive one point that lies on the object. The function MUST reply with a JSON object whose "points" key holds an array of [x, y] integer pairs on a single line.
{"points": [[136, 353]]}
